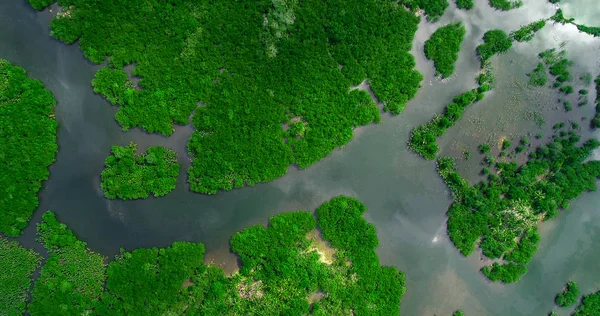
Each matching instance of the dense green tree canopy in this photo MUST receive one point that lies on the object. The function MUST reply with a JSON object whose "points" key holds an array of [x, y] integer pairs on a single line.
{"points": [[28, 146], [569, 295], [590, 305], [465, 4], [17, 265], [71, 279], [443, 47], [494, 42], [505, 5], [504, 210], [130, 176], [268, 80]]}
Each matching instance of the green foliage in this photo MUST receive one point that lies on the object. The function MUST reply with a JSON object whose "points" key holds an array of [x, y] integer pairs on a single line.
{"points": [[494, 42], [590, 305], [72, 277], [591, 30], [569, 295], [443, 47], [538, 77], [507, 206], [28, 146], [281, 267], [506, 273], [526, 33], [41, 4], [130, 176], [596, 120], [433, 9], [567, 89], [484, 148], [458, 313], [465, 4], [506, 144], [423, 137], [377, 290], [505, 5], [17, 265], [255, 67], [149, 281]]}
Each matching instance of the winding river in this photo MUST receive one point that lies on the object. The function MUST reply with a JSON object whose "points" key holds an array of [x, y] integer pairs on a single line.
{"points": [[405, 198]]}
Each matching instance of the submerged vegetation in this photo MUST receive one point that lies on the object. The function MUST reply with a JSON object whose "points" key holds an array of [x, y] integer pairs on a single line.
{"points": [[71, 279], [423, 138], [500, 214], [281, 269], [569, 295], [130, 176], [539, 76], [248, 71], [28, 146], [17, 265], [443, 47]]}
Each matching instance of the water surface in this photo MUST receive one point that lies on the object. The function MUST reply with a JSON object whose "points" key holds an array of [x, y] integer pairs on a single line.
{"points": [[405, 198]]}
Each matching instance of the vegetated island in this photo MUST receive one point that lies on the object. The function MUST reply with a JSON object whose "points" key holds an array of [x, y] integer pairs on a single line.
{"points": [[130, 176], [268, 81], [443, 47], [596, 120], [28, 147], [569, 295], [17, 265], [505, 5], [465, 4], [283, 271], [500, 214]]}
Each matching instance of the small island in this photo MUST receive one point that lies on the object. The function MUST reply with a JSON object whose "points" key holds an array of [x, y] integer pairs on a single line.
{"points": [[568, 296], [129, 176], [443, 47]]}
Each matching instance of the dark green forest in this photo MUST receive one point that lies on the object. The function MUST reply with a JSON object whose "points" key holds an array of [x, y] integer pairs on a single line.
{"points": [[267, 81], [443, 47], [28, 147], [500, 214], [129, 176], [281, 269]]}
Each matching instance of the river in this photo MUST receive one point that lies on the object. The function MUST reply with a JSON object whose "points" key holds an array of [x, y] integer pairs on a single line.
{"points": [[405, 198]]}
